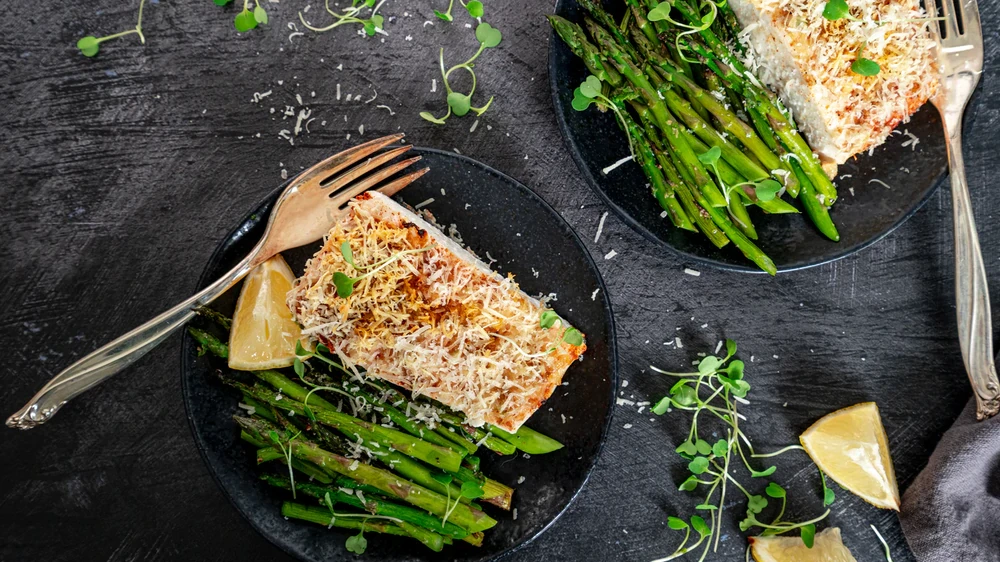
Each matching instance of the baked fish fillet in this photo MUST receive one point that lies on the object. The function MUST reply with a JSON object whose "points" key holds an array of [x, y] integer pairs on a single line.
{"points": [[434, 320], [807, 59]]}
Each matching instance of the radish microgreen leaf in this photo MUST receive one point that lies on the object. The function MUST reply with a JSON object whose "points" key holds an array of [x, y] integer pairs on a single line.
{"points": [[90, 45], [573, 336]]}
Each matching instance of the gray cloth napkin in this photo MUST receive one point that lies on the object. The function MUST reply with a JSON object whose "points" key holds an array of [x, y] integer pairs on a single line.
{"points": [[951, 512]]}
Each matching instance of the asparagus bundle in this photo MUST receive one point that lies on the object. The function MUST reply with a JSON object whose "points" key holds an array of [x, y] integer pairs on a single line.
{"points": [[709, 137], [393, 465]]}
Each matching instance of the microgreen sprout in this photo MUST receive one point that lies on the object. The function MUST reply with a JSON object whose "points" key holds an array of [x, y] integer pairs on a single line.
{"points": [[715, 390], [838, 9], [661, 12], [345, 284], [89, 45], [474, 7], [458, 103], [446, 480], [352, 15], [548, 319], [287, 452], [590, 92], [298, 365], [446, 15], [357, 543], [828, 495], [888, 553], [247, 19], [573, 336], [764, 190], [863, 66]]}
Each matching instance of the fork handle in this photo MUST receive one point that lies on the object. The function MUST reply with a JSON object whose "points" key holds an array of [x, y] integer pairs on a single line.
{"points": [[120, 353], [975, 328]]}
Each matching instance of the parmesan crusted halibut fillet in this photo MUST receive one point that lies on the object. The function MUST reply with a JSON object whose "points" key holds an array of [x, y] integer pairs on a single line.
{"points": [[807, 59], [437, 322]]}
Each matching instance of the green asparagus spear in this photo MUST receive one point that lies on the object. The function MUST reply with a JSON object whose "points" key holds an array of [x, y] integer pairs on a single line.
{"points": [[209, 343], [373, 505], [322, 516], [816, 210], [528, 440], [662, 191], [462, 515], [681, 190], [576, 40]]}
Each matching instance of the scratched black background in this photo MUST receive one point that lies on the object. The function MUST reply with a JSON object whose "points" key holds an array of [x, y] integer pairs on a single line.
{"points": [[120, 174]]}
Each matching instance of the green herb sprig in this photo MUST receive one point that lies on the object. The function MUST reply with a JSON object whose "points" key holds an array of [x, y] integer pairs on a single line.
{"points": [[571, 335], [469, 489], [763, 190], [458, 103], [287, 452], [356, 543], [888, 553], [247, 19], [352, 15], [321, 352], [590, 92], [863, 66], [661, 12], [716, 389], [89, 45], [345, 284], [474, 7]]}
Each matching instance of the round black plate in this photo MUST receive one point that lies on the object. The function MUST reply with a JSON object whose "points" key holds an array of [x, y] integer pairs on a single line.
{"points": [[495, 215], [864, 217]]}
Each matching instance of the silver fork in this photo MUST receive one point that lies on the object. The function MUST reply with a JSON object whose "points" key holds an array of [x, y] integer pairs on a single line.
{"points": [[304, 212], [960, 54]]}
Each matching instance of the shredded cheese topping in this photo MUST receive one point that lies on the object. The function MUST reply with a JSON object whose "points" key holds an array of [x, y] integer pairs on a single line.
{"points": [[437, 322], [807, 60]]}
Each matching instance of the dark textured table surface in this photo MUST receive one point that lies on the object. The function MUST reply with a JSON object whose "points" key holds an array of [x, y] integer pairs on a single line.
{"points": [[121, 174]]}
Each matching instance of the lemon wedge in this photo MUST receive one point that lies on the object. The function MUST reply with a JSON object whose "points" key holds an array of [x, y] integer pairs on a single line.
{"points": [[851, 447], [827, 547], [263, 334]]}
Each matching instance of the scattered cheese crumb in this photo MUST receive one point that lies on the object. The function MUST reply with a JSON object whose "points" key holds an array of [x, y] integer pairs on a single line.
{"points": [[600, 227], [614, 166], [692, 272], [610, 254]]}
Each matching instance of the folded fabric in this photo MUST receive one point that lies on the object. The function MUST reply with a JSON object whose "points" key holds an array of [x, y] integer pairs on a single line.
{"points": [[951, 512]]}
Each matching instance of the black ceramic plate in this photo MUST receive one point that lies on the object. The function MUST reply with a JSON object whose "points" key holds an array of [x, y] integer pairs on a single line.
{"points": [[494, 214], [864, 217]]}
